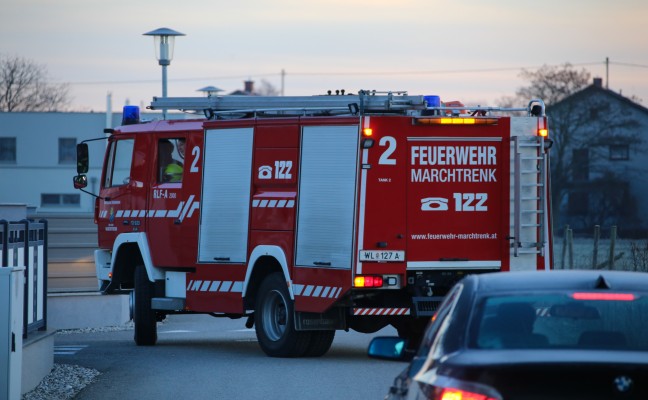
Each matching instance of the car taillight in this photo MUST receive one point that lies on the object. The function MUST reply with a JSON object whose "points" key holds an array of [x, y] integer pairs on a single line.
{"points": [[440, 387], [458, 394]]}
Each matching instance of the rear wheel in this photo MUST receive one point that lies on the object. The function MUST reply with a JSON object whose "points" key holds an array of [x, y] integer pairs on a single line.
{"points": [[143, 316], [320, 343], [274, 320]]}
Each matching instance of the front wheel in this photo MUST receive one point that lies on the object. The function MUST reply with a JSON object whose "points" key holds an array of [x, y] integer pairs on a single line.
{"points": [[274, 320], [143, 315]]}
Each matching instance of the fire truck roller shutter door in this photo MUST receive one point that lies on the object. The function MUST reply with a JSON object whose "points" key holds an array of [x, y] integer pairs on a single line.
{"points": [[225, 204], [327, 186]]}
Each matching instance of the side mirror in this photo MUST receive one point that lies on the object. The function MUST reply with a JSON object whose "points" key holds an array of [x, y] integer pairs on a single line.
{"points": [[82, 159], [80, 181], [388, 348]]}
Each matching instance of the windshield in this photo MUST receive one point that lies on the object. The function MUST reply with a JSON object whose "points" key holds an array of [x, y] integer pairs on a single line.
{"points": [[594, 320]]}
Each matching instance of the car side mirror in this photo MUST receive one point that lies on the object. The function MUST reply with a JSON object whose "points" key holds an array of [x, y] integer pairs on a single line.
{"points": [[80, 181], [388, 348], [82, 159]]}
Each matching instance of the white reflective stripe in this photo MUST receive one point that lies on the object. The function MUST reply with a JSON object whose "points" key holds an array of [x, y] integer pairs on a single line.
{"points": [[215, 286], [273, 203], [297, 289], [316, 291], [381, 311], [119, 213], [176, 213], [160, 213], [127, 213], [186, 208], [194, 207], [237, 287]]}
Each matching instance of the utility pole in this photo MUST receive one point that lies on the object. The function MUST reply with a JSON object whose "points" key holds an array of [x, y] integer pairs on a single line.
{"points": [[607, 72], [283, 81]]}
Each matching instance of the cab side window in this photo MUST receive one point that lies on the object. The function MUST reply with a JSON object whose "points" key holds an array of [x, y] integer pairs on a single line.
{"points": [[170, 159], [120, 159]]}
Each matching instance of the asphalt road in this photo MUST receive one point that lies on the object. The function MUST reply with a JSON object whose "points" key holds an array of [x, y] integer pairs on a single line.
{"points": [[201, 357]]}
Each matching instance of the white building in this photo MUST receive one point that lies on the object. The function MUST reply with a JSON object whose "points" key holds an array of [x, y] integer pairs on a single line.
{"points": [[38, 157]]}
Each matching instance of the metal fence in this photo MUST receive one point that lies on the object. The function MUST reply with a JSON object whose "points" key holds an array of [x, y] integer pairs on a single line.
{"points": [[24, 243]]}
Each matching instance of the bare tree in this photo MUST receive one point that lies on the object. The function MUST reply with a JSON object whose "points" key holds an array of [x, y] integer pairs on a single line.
{"points": [[24, 87], [267, 89], [553, 83]]}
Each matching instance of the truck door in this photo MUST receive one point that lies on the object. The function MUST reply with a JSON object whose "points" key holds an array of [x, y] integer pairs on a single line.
{"points": [[172, 207], [123, 193]]}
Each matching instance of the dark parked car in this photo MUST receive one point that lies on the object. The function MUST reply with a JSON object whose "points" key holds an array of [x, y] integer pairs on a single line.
{"points": [[531, 335]]}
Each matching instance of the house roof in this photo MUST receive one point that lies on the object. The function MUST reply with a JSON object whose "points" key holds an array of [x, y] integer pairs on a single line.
{"points": [[597, 88]]}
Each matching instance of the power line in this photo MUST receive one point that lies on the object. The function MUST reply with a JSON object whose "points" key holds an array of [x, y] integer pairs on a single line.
{"points": [[348, 73]]}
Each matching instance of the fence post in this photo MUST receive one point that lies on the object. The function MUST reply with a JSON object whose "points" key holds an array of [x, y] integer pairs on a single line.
{"points": [[613, 234], [570, 242], [597, 235], [564, 248]]}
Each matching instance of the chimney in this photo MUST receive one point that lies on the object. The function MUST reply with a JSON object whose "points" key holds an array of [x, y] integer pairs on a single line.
{"points": [[598, 82], [249, 86]]}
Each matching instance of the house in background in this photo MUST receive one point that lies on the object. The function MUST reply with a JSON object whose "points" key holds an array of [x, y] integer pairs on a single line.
{"points": [[38, 157], [599, 162]]}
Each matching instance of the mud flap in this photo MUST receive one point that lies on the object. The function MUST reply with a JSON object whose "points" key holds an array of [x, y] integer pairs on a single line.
{"points": [[333, 319]]}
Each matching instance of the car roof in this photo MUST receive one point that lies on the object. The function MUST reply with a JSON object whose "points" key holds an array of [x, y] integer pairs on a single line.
{"points": [[560, 280]]}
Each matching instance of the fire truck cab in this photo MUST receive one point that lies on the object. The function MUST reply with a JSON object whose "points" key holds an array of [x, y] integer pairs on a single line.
{"points": [[308, 215]]}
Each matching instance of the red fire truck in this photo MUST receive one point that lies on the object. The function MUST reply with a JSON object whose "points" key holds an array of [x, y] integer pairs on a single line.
{"points": [[308, 215]]}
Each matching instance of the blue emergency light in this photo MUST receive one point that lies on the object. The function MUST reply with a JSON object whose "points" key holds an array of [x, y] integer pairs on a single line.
{"points": [[131, 115], [432, 101]]}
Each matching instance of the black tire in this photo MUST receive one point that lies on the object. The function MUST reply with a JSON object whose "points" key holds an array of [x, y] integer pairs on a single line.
{"points": [[143, 316], [274, 320], [320, 343]]}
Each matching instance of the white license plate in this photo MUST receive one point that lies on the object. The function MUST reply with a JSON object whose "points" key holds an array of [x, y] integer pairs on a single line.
{"points": [[382, 255]]}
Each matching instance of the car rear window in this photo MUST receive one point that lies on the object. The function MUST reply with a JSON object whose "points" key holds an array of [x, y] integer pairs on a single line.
{"points": [[583, 320]]}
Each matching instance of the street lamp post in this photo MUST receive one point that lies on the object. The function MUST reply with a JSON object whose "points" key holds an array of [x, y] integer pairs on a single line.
{"points": [[164, 40]]}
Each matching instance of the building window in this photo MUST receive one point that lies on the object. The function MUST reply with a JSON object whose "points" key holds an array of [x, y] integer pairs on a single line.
{"points": [[619, 152], [60, 200], [67, 150], [8, 150]]}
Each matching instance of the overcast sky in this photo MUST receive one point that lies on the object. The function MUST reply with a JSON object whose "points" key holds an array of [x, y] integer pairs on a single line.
{"points": [[461, 50]]}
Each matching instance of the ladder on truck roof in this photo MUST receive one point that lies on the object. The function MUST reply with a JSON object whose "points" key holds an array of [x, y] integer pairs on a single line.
{"points": [[364, 101], [529, 204]]}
